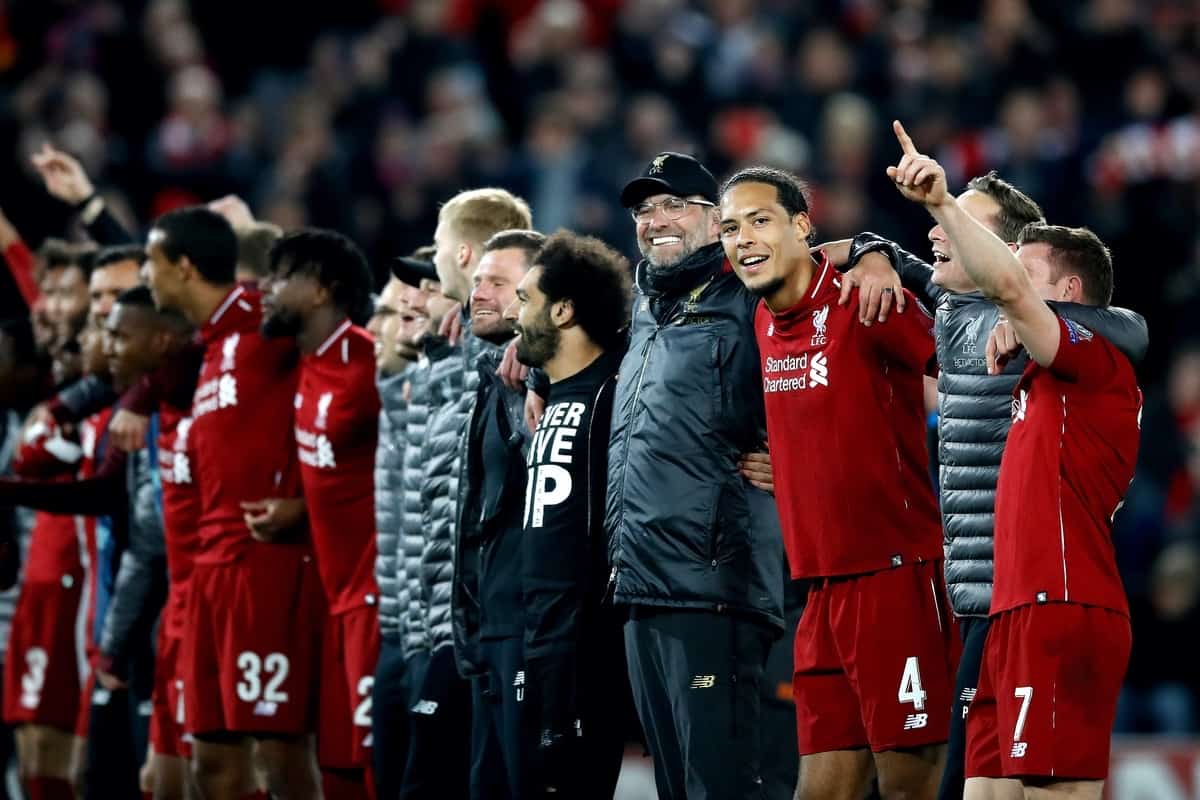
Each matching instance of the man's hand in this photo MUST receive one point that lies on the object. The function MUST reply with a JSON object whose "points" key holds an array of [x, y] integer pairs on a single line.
{"points": [[268, 519], [63, 174], [1003, 344], [918, 177], [535, 406], [878, 288], [512, 372], [110, 681], [452, 325], [234, 209], [756, 468], [128, 430]]}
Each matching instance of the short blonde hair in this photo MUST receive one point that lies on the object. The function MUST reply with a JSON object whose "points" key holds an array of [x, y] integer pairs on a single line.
{"points": [[478, 214]]}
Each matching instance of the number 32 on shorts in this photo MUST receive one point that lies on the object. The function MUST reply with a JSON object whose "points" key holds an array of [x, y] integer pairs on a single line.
{"points": [[262, 677], [911, 691]]}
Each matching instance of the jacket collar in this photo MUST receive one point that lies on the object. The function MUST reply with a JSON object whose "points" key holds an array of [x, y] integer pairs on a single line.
{"points": [[703, 263]]}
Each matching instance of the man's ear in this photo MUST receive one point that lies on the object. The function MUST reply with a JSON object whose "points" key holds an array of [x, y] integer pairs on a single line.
{"points": [[464, 254], [803, 225], [562, 313], [714, 221], [1073, 291]]}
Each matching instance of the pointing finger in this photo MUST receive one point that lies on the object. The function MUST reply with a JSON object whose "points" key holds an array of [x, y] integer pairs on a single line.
{"points": [[906, 143]]}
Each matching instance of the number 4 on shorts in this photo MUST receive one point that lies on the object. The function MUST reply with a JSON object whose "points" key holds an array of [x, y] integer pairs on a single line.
{"points": [[910, 685]]}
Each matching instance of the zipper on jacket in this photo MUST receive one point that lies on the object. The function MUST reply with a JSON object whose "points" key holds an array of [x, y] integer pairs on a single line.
{"points": [[637, 393]]}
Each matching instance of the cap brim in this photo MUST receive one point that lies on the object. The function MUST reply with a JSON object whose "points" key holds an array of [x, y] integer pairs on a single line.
{"points": [[413, 270], [639, 189]]}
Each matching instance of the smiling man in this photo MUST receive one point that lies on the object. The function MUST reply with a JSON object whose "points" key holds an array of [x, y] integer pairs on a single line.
{"points": [[694, 545], [488, 611], [874, 653]]}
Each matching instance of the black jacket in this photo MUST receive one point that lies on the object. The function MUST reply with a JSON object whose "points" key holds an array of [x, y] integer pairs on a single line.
{"points": [[486, 506], [687, 530]]}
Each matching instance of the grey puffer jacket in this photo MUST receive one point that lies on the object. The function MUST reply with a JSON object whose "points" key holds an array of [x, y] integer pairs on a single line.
{"points": [[974, 415], [686, 529], [439, 486], [140, 586], [416, 637], [389, 504]]}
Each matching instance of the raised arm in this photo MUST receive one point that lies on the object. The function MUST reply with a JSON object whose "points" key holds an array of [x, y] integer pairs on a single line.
{"points": [[986, 259]]}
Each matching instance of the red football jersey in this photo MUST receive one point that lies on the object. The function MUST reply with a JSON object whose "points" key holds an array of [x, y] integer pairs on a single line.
{"points": [[337, 428], [846, 428], [180, 495], [1067, 464], [57, 541], [241, 434]]}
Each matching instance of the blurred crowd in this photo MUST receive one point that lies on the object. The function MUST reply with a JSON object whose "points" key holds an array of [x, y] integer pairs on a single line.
{"points": [[364, 115]]}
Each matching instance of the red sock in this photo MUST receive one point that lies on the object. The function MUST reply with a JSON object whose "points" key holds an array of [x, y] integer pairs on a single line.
{"points": [[40, 787], [344, 783]]}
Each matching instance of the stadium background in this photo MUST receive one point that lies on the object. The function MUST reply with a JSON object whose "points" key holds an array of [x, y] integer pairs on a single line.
{"points": [[363, 116]]}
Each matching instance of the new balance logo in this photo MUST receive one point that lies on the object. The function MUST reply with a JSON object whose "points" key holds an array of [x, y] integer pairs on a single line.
{"points": [[426, 707], [818, 375], [519, 683], [1018, 749], [704, 681], [265, 708], [914, 721], [967, 695]]}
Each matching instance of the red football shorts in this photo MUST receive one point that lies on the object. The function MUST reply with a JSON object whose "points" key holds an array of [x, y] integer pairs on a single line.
{"points": [[348, 655], [1047, 696], [251, 645], [167, 718], [874, 661], [44, 668]]}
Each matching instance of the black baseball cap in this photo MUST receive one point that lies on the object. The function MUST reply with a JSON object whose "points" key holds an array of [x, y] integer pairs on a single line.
{"points": [[412, 270], [671, 173]]}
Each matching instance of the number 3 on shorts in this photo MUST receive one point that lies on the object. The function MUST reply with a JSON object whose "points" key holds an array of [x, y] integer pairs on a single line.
{"points": [[910, 685], [250, 688]]}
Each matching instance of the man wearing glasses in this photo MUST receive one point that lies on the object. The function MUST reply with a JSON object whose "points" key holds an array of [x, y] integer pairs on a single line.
{"points": [[694, 544]]}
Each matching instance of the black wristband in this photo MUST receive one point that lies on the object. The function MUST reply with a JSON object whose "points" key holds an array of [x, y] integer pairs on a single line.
{"points": [[867, 242]]}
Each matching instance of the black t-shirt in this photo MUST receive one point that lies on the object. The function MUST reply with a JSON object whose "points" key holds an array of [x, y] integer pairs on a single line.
{"points": [[565, 559]]}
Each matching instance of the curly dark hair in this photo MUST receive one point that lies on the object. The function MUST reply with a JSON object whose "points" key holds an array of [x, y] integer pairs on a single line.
{"points": [[337, 264], [594, 277]]}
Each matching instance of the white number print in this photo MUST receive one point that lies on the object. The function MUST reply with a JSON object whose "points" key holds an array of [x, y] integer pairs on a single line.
{"points": [[33, 680], [1026, 695], [362, 712], [250, 688], [911, 690]]}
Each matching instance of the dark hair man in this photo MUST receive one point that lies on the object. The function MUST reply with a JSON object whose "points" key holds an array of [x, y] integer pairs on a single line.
{"points": [[127, 563], [1057, 601], [695, 547], [320, 283], [488, 610], [571, 310], [874, 654], [252, 652], [973, 406]]}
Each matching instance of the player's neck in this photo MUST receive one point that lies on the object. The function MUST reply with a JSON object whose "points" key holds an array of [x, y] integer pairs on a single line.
{"points": [[203, 301], [793, 289], [572, 358], [319, 326]]}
